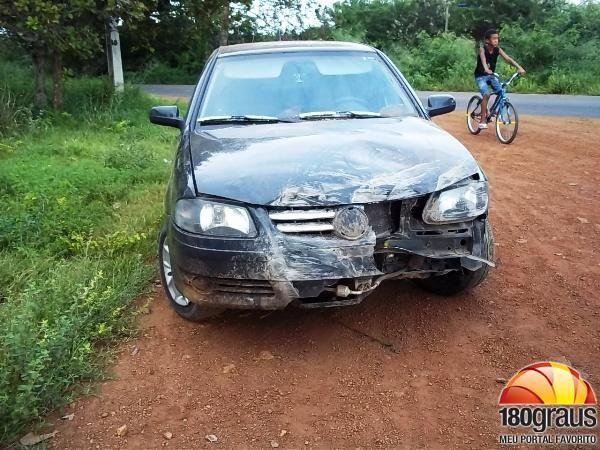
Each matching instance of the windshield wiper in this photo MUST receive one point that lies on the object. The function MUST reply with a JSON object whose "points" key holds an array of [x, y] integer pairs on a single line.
{"points": [[240, 119], [318, 115]]}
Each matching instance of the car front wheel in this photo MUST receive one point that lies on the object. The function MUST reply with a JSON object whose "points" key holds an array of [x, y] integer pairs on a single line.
{"points": [[461, 280], [184, 307]]}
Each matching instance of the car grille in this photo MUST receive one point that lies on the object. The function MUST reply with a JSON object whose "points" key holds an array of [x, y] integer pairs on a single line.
{"points": [[383, 218], [303, 220]]}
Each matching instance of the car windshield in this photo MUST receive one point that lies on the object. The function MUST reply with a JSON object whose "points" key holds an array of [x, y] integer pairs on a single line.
{"points": [[304, 86]]}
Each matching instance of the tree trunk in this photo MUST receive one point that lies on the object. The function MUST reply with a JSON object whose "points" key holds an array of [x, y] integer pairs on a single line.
{"points": [[57, 80], [40, 98], [224, 31]]}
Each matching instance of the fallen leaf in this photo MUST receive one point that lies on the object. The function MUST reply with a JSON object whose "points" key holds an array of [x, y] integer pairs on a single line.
{"points": [[583, 220], [68, 416], [211, 438], [135, 351], [122, 431], [32, 439]]}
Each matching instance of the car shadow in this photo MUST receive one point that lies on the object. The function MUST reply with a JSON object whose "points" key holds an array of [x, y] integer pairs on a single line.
{"points": [[396, 313]]}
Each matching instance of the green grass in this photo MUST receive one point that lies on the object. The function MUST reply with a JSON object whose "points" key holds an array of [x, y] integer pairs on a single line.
{"points": [[81, 196]]}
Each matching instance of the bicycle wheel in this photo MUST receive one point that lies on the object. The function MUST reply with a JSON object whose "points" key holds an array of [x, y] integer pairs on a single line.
{"points": [[474, 114], [507, 123]]}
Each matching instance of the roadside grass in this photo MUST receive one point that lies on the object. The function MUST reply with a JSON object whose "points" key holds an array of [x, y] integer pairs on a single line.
{"points": [[81, 199]]}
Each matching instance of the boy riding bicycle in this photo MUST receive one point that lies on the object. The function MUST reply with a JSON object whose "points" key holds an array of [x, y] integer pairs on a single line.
{"points": [[487, 56]]}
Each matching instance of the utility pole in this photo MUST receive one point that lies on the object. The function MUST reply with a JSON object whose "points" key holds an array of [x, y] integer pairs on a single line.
{"points": [[113, 54], [447, 16]]}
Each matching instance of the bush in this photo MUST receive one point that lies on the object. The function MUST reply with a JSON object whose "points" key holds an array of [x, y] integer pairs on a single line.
{"points": [[557, 45], [51, 332], [81, 198], [88, 99], [567, 81], [442, 62], [446, 62]]}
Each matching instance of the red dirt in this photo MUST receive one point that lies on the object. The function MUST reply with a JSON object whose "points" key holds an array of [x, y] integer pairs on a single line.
{"points": [[404, 368]]}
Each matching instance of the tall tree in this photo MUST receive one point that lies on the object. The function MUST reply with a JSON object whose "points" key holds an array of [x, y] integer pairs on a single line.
{"points": [[183, 33], [49, 29]]}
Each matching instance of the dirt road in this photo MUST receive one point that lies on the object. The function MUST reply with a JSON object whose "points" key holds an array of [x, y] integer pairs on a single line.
{"points": [[404, 368]]}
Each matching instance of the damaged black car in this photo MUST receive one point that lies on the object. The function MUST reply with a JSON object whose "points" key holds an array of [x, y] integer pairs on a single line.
{"points": [[307, 173]]}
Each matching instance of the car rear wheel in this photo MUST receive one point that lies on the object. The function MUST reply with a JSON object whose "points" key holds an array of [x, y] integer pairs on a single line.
{"points": [[184, 307], [461, 280]]}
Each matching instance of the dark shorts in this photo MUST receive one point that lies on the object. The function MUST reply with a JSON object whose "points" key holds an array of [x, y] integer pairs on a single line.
{"points": [[483, 86]]}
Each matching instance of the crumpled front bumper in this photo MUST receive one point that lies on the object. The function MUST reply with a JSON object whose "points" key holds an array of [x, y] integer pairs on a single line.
{"points": [[276, 269]]}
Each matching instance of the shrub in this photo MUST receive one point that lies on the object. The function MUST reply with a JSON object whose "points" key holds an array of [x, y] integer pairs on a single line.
{"points": [[51, 332], [559, 62], [81, 198], [442, 62]]}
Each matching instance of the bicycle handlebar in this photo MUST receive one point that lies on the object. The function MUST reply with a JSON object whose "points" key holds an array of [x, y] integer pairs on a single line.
{"points": [[513, 77]]}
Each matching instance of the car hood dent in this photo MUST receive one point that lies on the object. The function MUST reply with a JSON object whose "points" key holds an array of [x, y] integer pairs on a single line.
{"points": [[328, 162]]}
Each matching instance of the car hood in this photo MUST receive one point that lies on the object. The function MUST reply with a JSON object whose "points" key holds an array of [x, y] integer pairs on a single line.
{"points": [[328, 162]]}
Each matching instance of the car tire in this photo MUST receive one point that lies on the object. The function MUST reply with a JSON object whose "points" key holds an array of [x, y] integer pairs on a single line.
{"points": [[190, 311], [460, 280]]}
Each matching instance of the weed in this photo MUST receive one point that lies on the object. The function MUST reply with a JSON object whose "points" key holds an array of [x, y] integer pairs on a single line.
{"points": [[81, 197]]}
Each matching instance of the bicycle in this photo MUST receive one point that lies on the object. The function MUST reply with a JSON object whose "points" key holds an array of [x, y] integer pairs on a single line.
{"points": [[502, 111]]}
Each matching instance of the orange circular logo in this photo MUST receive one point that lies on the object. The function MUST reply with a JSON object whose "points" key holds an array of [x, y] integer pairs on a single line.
{"points": [[547, 383]]}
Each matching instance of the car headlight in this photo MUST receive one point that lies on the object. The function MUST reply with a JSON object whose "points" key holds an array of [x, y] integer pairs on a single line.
{"points": [[457, 204], [213, 218]]}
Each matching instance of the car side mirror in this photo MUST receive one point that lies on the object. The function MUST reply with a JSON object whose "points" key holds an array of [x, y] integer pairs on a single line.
{"points": [[440, 104], [166, 115]]}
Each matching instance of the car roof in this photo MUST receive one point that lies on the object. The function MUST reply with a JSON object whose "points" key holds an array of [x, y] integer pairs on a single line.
{"points": [[278, 46]]}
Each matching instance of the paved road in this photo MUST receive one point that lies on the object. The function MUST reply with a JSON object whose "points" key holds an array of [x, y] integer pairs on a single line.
{"points": [[548, 105]]}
